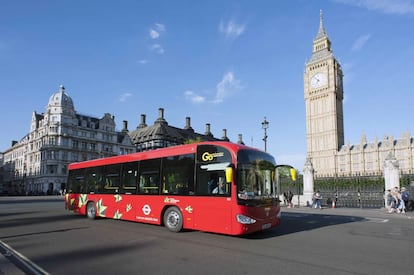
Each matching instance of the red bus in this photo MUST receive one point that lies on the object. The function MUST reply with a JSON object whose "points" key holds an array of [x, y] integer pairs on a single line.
{"points": [[219, 187]]}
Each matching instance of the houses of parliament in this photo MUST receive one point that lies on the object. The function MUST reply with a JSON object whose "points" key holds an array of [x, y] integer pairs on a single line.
{"points": [[38, 162], [326, 150]]}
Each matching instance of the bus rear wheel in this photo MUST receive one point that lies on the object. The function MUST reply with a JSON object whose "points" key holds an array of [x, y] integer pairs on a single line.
{"points": [[173, 219], [91, 210]]}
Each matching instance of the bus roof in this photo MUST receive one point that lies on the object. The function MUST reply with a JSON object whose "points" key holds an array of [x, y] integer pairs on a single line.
{"points": [[157, 153]]}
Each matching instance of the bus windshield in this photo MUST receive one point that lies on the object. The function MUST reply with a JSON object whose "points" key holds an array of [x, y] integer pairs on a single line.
{"points": [[256, 178]]}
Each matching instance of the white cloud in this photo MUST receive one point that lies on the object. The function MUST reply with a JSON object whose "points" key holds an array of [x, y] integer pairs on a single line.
{"points": [[124, 97], [360, 42], [157, 48], [156, 31], [154, 34], [160, 27], [384, 6], [143, 61], [193, 97], [231, 29], [228, 86]]}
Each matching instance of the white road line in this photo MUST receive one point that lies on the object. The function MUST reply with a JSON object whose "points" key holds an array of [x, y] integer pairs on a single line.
{"points": [[376, 220], [34, 268]]}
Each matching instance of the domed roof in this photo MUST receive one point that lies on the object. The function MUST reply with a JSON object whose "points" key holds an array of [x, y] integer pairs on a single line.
{"points": [[61, 99]]}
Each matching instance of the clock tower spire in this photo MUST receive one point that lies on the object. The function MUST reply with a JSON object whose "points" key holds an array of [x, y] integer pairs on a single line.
{"points": [[324, 111], [321, 43]]}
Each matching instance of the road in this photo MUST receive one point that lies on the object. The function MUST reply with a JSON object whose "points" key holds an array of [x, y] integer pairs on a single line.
{"points": [[39, 237]]}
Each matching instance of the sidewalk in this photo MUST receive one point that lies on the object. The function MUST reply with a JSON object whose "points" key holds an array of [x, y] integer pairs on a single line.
{"points": [[358, 212]]}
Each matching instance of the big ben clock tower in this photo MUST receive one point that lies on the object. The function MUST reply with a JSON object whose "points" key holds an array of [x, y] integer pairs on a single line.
{"points": [[324, 112]]}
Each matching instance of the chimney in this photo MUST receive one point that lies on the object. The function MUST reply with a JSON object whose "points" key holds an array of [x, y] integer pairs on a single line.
{"points": [[125, 126], [240, 141], [224, 137], [160, 113], [143, 123], [188, 123], [208, 133], [160, 118]]}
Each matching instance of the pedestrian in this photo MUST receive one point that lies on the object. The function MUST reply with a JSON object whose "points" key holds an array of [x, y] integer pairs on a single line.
{"points": [[285, 198], [388, 200], [395, 200], [290, 197], [405, 195], [317, 197], [401, 202]]}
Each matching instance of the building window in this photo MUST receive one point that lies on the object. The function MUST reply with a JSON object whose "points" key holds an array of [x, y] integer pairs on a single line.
{"points": [[75, 144]]}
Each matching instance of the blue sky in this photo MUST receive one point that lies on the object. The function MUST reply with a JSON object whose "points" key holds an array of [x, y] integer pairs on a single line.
{"points": [[227, 63]]}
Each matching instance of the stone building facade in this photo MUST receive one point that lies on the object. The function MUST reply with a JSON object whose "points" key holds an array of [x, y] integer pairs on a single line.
{"points": [[327, 152], [38, 163], [161, 134]]}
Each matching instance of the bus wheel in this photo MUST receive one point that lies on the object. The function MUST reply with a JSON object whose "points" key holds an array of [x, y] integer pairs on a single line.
{"points": [[173, 219], [91, 210]]}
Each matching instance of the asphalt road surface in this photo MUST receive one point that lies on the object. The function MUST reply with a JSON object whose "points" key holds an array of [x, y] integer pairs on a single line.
{"points": [[38, 236]]}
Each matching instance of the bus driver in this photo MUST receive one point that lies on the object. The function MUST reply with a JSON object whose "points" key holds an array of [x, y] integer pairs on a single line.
{"points": [[221, 188]]}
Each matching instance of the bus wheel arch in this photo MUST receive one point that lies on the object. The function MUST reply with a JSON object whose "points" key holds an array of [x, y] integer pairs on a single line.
{"points": [[173, 219], [91, 210]]}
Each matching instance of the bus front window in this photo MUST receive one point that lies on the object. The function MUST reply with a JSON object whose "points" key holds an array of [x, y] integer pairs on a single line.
{"points": [[255, 180]]}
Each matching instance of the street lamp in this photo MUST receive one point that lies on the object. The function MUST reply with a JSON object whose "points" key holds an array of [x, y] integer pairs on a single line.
{"points": [[265, 125]]}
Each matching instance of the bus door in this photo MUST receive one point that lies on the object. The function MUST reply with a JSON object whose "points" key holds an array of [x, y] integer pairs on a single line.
{"points": [[213, 211]]}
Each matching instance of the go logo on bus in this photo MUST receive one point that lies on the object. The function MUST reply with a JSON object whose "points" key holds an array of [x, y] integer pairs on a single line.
{"points": [[206, 156]]}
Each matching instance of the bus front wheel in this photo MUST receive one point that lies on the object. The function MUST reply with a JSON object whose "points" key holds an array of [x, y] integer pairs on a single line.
{"points": [[91, 210], [173, 219]]}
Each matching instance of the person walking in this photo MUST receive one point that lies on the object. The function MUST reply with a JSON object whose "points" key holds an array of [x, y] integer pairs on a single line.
{"points": [[317, 197]]}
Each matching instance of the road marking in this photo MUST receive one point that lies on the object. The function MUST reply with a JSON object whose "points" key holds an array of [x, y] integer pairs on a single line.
{"points": [[28, 265], [376, 220]]}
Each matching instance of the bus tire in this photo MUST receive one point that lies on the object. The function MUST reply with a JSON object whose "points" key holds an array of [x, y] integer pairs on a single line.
{"points": [[91, 210], [173, 219]]}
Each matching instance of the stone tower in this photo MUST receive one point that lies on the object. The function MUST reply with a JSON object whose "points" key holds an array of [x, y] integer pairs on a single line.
{"points": [[323, 91]]}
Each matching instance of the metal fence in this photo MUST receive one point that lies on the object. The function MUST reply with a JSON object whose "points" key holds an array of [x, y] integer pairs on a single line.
{"points": [[358, 192], [352, 192], [364, 197]]}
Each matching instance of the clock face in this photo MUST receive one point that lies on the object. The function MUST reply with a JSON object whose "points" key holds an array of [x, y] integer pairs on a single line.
{"points": [[318, 80]]}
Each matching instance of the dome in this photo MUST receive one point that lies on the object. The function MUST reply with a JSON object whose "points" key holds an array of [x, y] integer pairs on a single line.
{"points": [[61, 99]]}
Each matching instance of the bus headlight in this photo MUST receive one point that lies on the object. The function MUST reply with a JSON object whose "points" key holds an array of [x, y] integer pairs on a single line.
{"points": [[244, 219]]}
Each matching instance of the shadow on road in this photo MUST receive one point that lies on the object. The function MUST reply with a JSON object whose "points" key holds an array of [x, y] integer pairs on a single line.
{"points": [[303, 221]]}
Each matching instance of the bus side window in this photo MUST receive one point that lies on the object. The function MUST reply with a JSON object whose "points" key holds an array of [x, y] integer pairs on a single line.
{"points": [[212, 183], [129, 178], [94, 179], [178, 174], [77, 181], [149, 179], [112, 178]]}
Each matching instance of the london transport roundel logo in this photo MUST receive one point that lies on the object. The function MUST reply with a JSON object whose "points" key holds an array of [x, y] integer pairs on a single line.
{"points": [[146, 209]]}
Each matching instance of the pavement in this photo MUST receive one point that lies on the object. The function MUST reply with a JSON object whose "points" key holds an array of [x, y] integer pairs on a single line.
{"points": [[7, 267], [357, 212]]}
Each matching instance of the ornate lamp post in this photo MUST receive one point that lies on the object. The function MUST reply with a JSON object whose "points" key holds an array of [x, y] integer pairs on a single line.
{"points": [[265, 125]]}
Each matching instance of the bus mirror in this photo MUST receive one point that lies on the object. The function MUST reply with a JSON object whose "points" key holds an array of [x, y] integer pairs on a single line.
{"points": [[293, 174], [229, 174]]}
